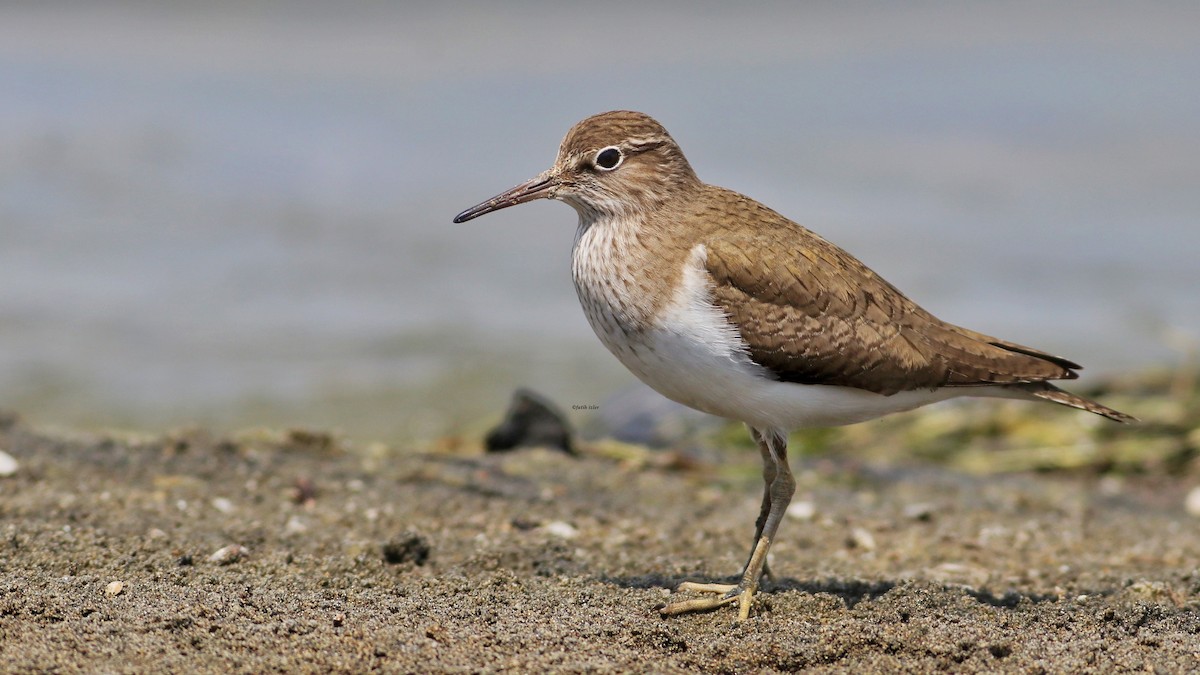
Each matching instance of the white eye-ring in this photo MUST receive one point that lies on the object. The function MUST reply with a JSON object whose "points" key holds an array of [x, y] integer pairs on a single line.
{"points": [[609, 158]]}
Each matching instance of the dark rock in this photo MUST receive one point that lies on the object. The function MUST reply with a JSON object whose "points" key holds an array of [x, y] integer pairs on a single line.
{"points": [[531, 421], [409, 547]]}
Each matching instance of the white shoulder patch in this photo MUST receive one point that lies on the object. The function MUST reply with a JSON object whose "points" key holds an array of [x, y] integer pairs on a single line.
{"points": [[692, 313]]}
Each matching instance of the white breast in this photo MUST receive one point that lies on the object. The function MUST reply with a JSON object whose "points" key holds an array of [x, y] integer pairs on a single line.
{"points": [[691, 353]]}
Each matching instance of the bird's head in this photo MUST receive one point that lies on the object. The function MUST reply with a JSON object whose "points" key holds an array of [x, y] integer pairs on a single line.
{"points": [[609, 165]]}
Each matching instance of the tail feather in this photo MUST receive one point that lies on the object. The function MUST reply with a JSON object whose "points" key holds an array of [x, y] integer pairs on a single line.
{"points": [[1049, 392]]}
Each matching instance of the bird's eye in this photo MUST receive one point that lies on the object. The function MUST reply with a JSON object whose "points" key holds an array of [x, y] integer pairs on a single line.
{"points": [[608, 159]]}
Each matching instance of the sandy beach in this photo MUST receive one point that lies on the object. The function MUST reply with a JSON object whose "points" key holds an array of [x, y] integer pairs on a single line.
{"points": [[293, 551]]}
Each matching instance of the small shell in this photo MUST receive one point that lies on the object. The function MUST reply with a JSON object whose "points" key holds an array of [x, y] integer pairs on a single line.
{"points": [[1192, 502], [803, 510], [8, 464], [229, 554], [561, 529]]}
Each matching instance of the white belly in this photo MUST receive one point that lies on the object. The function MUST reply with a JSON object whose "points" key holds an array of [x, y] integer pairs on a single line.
{"points": [[684, 368]]}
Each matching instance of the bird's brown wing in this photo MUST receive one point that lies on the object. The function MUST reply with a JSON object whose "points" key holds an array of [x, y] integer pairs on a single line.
{"points": [[811, 313]]}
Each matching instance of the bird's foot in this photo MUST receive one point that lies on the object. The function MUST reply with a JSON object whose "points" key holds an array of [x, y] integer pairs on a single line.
{"points": [[719, 595]]}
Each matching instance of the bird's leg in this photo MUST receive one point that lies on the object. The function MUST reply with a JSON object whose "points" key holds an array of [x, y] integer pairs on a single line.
{"points": [[769, 472], [778, 493], [782, 487]]}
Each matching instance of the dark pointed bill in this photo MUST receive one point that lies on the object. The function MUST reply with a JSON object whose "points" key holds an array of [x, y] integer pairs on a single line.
{"points": [[528, 191]]}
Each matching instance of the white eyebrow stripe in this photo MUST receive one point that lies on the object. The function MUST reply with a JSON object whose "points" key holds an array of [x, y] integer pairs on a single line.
{"points": [[645, 143]]}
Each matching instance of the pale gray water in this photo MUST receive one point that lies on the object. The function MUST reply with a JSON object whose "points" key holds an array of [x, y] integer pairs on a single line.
{"points": [[237, 215]]}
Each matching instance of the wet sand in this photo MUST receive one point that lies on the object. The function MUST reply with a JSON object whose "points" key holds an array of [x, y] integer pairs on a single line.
{"points": [[116, 556]]}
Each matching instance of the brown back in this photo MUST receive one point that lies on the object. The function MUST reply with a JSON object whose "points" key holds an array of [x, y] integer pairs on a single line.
{"points": [[813, 314]]}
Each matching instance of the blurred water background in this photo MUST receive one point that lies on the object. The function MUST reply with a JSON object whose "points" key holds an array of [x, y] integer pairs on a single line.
{"points": [[239, 213]]}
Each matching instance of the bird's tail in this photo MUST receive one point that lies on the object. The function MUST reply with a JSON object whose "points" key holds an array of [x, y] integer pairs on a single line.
{"points": [[1049, 392]]}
